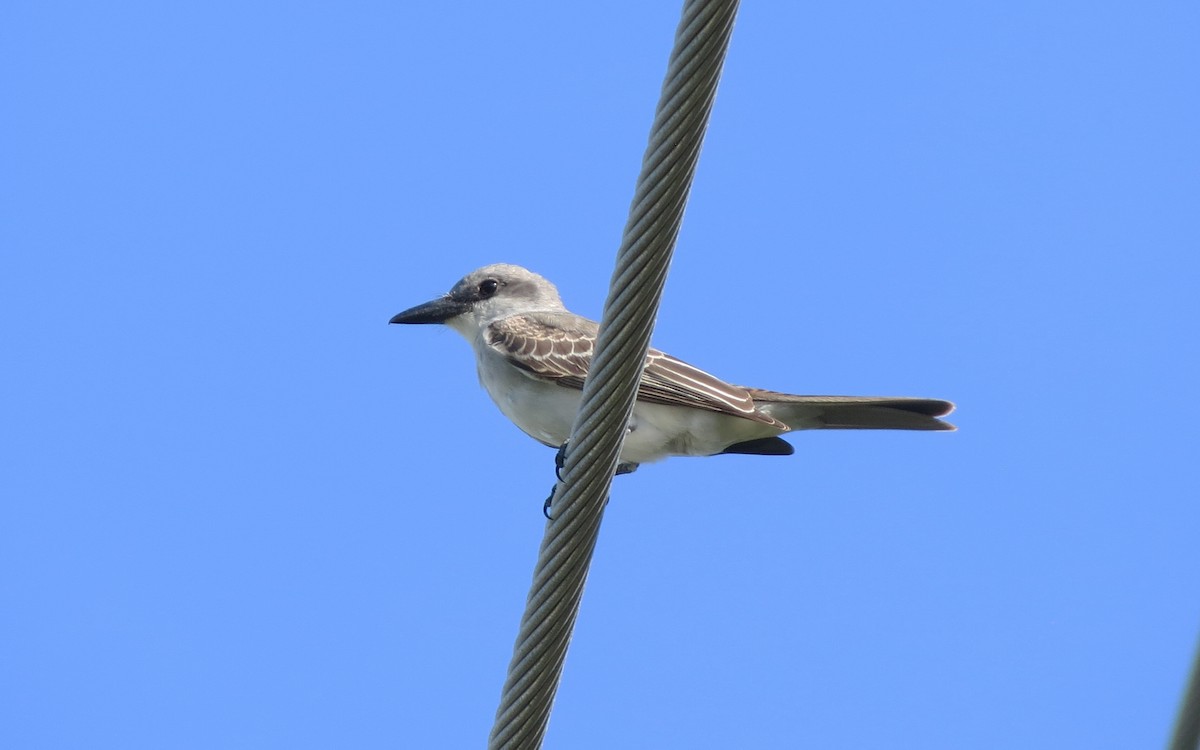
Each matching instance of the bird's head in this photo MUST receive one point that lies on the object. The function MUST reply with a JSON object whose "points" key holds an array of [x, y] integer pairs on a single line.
{"points": [[485, 295]]}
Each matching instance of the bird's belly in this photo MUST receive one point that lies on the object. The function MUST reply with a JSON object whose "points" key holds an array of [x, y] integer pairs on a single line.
{"points": [[543, 411], [658, 431]]}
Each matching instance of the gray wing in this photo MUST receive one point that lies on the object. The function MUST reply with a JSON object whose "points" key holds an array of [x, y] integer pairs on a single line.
{"points": [[558, 347]]}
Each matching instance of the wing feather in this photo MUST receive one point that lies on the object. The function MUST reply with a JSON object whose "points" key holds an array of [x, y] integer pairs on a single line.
{"points": [[558, 347]]}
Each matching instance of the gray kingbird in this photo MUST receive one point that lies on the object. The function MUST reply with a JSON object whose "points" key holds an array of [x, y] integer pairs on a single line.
{"points": [[532, 355]]}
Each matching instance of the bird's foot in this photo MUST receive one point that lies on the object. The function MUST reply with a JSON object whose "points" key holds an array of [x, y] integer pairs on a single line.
{"points": [[560, 460], [625, 468]]}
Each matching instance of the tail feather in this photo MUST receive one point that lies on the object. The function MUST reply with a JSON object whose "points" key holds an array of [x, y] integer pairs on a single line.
{"points": [[853, 412]]}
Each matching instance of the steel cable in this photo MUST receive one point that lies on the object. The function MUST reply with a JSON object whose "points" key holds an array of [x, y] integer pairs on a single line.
{"points": [[609, 392]]}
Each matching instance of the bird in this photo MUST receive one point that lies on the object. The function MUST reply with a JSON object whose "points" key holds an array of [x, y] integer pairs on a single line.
{"points": [[532, 356]]}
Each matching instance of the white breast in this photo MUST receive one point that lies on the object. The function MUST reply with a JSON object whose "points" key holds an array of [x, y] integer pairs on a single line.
{"points": [[542, 410]]}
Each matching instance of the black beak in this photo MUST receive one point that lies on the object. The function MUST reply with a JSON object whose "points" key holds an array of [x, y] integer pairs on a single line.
{"points": [[435, 311]]}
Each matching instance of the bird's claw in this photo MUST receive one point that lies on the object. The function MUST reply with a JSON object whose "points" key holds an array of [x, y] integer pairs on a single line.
{"points": [[560, 460]]}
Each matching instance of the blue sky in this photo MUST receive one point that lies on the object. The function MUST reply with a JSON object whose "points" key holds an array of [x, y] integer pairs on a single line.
{"points": [[239, 510]]}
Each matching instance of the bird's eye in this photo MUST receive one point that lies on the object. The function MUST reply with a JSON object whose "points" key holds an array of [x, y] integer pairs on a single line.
{"points": [[488, 287]]}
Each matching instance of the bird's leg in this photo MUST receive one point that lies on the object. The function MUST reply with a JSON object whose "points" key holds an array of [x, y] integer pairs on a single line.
{"points": [[560, 460], [625, 468]]}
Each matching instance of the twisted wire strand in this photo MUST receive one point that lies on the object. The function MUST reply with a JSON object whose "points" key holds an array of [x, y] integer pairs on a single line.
{"points": [[1186, 735], [609, 392]]}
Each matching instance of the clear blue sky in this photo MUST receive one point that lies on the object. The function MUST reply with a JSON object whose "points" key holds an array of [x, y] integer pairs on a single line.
{"points": [[238, 510]]}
